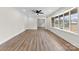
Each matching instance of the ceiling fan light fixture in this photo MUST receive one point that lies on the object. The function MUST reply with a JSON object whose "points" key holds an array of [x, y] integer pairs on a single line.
{"points": [[38, 12]]}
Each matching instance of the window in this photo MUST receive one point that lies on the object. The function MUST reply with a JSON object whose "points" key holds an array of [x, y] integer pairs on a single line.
{"points": [[74, 20], [66, 21], [61, 22], [56, 21], [52, 21]]}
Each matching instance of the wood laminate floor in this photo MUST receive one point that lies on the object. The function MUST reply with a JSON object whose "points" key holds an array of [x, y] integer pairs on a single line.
{"points": [[37, 40]]}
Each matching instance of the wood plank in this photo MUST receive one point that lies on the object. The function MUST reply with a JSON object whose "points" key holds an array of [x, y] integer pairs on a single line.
{"points": [[37, 40]]}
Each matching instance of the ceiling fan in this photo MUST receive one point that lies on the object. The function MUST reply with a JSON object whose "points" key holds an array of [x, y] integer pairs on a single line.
{"points": [[38, 12]]}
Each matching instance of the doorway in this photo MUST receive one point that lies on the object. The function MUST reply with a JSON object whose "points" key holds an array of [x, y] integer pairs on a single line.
{"points": [[41, 23]]}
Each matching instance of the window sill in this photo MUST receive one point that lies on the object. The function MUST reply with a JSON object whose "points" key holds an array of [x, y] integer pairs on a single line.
{"points": [[67, 31]]}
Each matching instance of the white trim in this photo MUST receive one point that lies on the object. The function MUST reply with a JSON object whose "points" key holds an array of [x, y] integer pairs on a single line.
{"points": [[12, 36], [58, 21], [31, 28], [69, 20], [63, 21], [66, 31], [78, 20], [54, 22]]}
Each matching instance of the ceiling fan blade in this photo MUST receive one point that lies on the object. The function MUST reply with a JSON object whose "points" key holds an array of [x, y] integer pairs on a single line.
{"points": [[40, 10], [41, 13]]}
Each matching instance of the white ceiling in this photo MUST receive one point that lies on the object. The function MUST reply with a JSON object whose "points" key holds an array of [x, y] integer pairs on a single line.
{"points": [[46, 10]]}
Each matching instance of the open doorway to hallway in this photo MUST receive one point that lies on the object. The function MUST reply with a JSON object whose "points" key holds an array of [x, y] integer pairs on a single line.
{"points": [[41, 23]]}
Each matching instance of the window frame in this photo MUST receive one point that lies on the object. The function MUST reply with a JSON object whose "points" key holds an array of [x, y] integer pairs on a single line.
{"points": [[55, 18], [71, 13], [63, 13]]}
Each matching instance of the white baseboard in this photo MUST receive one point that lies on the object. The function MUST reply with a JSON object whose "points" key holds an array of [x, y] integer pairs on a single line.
{"points": [[31, 28], [12, 36], [69, 37]]}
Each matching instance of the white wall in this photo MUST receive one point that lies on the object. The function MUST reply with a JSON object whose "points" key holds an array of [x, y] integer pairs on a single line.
{"points": [[66, 35], [31, 22], [11, 23]]}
